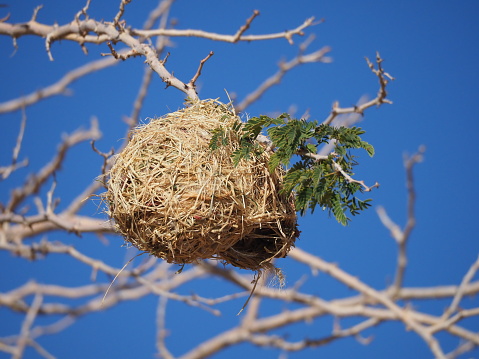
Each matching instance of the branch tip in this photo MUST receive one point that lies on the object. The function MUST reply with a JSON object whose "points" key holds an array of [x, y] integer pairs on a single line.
{"points": [[198, 72], [35, 13], [246, 26]]}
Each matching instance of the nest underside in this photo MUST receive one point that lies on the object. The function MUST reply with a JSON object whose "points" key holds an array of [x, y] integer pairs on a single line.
{"points": [[171, 195]]}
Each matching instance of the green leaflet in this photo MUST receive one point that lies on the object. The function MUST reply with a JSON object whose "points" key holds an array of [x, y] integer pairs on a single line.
{"points": [[314, 182]]}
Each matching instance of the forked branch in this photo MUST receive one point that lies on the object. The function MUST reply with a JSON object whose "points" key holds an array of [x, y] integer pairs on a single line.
{"points": [[383, 77]]}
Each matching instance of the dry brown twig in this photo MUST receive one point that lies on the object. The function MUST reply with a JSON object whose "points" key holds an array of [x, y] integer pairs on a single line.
{"points": [[192, 82]]}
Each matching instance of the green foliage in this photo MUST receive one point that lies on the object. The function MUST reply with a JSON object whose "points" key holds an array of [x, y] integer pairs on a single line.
{"points": [[315, 180]]}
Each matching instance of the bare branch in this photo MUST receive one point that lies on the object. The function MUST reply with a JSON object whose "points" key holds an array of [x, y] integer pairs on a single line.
{"points": [[348, 178], [461, 349], [353, 282], [401, 236], [383, 78], [160, 11], [162, 332], [192, 82], [59, 87], [83, 11], [132, 121], [24, 233], [7, 171], [120, 13], [453, 307], [245, 27], [288, 35], [27, 227], [281, 343], [36, 181], [27, 324], [104, 31], [91, 31], [284, 67], [106, 157], [35, 13], [409, 164]]}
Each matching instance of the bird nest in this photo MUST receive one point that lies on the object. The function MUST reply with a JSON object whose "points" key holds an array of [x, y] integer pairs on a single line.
{"points": [[172, 196]]}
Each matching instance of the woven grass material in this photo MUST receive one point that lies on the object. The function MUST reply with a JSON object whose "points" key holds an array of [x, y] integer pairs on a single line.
{"points": [[170, 195]]}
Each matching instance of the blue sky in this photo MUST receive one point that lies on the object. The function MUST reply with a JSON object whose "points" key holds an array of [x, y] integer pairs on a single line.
{"points": [[430, 47]]}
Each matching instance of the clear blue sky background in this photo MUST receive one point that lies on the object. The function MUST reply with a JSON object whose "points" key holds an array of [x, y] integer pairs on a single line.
{"points": [[430, 47]]}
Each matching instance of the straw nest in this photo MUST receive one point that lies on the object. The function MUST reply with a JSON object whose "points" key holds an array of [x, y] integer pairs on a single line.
{"points": [[172, 196]]}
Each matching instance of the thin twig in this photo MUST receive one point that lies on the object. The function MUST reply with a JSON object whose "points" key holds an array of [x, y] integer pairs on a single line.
{"points": [[57, 88], [383, 78], [284, 67], [7, 171], [453, 307], [245, 27], [83, 12], [192, 82], [162, 332], [120, 13], [27, 324], [401, 236], [288, 34], [348, 178], [34, 183]]}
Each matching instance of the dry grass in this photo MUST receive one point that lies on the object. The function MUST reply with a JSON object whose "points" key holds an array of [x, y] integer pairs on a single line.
{"points": [[170, 195]]}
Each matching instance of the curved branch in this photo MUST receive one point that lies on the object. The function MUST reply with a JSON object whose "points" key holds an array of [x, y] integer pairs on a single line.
{"points": [[288, 35], [383, 78], [284, 67], [57, 88], [34, 183]]}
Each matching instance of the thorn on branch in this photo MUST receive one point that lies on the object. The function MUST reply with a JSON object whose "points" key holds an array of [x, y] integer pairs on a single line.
{"points": [[84, 49], [165, 59]]}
